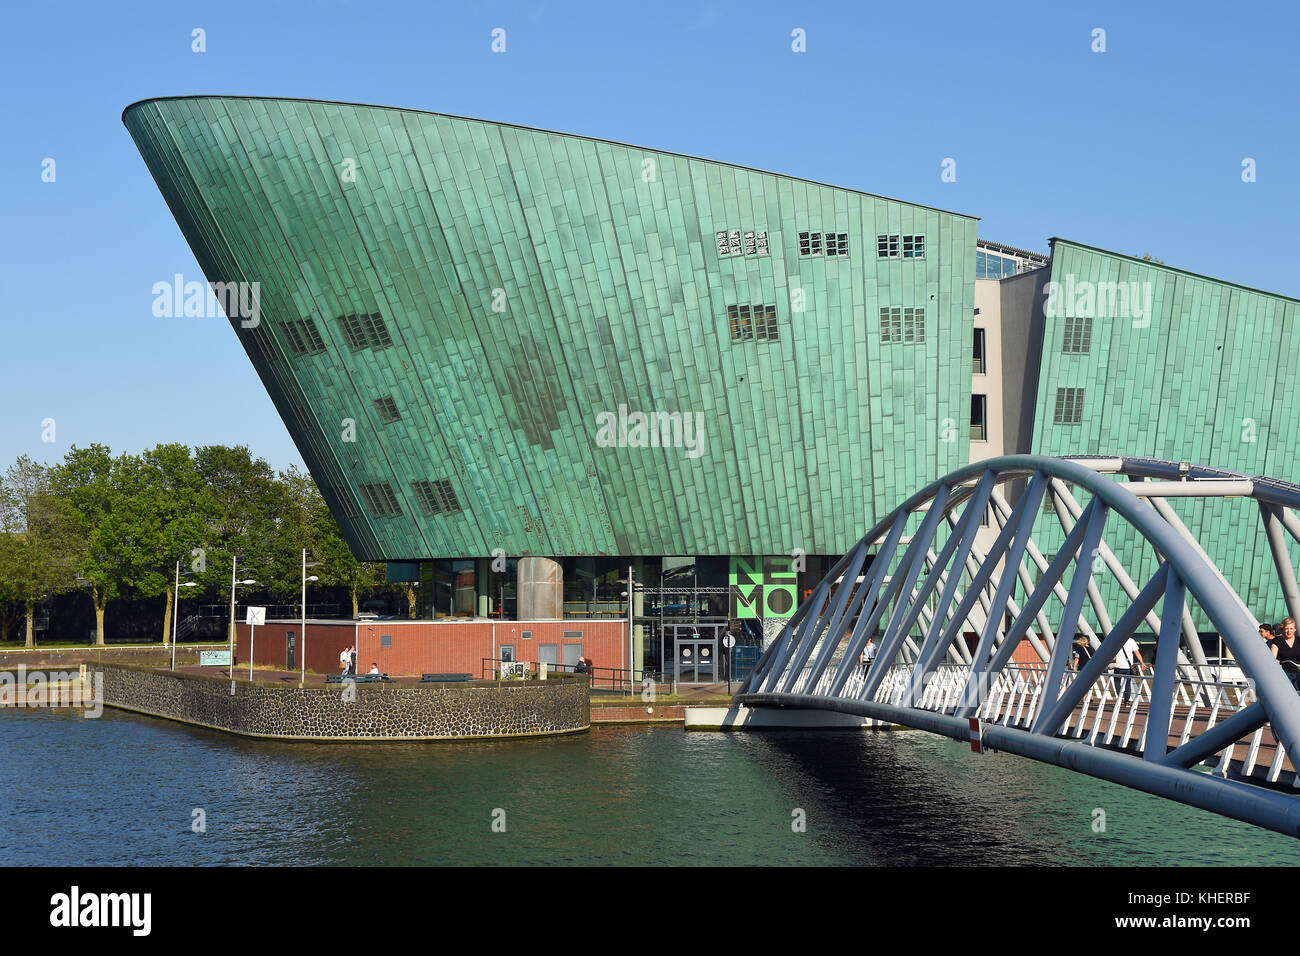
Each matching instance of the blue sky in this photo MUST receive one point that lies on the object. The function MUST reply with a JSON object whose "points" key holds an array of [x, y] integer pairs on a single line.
{"points": [[1137, 149]]}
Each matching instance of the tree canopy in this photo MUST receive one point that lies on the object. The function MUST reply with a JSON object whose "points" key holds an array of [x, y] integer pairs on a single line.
{"points": [[117, 526]]}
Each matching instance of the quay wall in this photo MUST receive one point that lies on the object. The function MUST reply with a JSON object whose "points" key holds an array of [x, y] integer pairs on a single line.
{"points": [[360, 712]]}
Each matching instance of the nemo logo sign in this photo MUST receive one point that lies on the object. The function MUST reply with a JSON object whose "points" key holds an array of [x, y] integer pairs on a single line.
{"points": [[763, 587]]}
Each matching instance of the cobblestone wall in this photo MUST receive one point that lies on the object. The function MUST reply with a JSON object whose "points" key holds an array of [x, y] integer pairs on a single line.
{"points": [[375, 712]]}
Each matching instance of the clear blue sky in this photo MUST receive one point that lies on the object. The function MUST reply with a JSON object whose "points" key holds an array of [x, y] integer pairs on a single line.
{"points": [[1137, 149]]}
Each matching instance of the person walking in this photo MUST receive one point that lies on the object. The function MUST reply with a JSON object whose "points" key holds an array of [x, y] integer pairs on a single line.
{"points": [[1129, 661], [868, 655], [1286, 651], [1081, 653]]}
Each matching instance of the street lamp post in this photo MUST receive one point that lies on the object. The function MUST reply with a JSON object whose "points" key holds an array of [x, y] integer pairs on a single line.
{"points": [[176, 611], [302, 639], [234, 561]]}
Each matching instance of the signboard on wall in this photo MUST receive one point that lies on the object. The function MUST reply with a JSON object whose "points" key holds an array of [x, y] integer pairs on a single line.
{"points": [[763, 587]]}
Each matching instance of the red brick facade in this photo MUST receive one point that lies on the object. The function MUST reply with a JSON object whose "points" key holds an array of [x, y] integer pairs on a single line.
{"points": [[438, 647]]}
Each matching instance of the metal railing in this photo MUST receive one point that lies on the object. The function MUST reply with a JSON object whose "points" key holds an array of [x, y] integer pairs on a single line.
{"points": [[286, 611], [1107, 716], [610, 679]]}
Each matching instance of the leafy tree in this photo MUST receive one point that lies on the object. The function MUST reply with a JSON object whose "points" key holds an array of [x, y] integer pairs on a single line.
{"points": [[163, 514], [39, 546], [91, 481], [338, 566], [239, 503]]}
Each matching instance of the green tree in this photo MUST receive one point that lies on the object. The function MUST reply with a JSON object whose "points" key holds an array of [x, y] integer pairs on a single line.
{"points": [[39, 546], [91, 481], [337, 565], [164, 521], [239, 501]]}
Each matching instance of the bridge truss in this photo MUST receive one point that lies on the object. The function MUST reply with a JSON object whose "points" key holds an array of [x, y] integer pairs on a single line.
{"points": [[976, 638]]}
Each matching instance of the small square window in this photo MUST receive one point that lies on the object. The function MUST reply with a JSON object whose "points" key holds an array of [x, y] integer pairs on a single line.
{"points": [[805, 244], [1078, 336], [816, 243], [723, 248], [1069, 406]]}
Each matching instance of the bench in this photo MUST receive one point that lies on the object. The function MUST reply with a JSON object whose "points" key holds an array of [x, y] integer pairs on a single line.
{"points": [[358, 678], [444, 678]]}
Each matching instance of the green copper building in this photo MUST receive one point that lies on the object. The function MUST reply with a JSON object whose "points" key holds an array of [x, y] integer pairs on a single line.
{"points": [[520, 364], [461, 321]]}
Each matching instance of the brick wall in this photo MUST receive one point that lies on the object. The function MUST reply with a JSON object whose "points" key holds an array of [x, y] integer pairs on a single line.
{"points": [[434, 647]]}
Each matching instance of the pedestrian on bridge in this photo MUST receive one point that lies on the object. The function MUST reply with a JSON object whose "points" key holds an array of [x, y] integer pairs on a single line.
{"points": [[1286, 651], [1082, 652], [1129, 661], [868, 655]]}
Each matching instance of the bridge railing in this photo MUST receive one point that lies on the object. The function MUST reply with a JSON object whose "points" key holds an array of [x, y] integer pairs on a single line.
{"points": [[1108, 715]]}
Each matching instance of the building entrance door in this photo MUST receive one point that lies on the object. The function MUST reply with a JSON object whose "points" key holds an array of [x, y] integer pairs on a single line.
{"points": [[695, 653]]}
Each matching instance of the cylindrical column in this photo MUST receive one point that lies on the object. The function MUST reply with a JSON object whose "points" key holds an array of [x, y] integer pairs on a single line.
{"points": [[483, 585], [541, 589]]}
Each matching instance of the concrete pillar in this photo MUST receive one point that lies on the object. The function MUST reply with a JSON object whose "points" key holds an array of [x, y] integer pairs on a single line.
{"points": [[638, 610], [540, 589], [483, 585]]}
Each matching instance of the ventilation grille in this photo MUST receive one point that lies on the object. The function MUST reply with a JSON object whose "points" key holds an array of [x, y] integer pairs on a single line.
{"points": [[365, 331], [380, 500], [302, 336], [436, 497]]}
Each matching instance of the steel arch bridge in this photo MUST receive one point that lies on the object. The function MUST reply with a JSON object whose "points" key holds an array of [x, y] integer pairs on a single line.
{"points": [[950, 624]]}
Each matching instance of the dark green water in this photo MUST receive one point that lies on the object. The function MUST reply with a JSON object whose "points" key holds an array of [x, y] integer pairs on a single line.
{"points": [[121, 790]]}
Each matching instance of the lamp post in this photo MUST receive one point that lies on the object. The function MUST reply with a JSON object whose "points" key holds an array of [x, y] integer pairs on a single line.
{"points": [[234, 562], [176, 611], [302, 640]]}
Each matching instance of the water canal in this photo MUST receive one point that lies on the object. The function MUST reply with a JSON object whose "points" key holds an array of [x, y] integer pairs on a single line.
{"points": [[123, 790]]}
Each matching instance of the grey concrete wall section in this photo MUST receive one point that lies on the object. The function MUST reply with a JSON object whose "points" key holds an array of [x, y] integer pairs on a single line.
{"points": [[541, 589], [356, 712], [1022, 356]]}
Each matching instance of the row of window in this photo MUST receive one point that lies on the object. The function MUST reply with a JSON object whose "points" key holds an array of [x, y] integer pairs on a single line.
{"points": [[730, 243], [828, 243], [435, 498], [991, 266], [750, 322], [912, 247], [902, 325], [735, 243], [359, 331]]}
